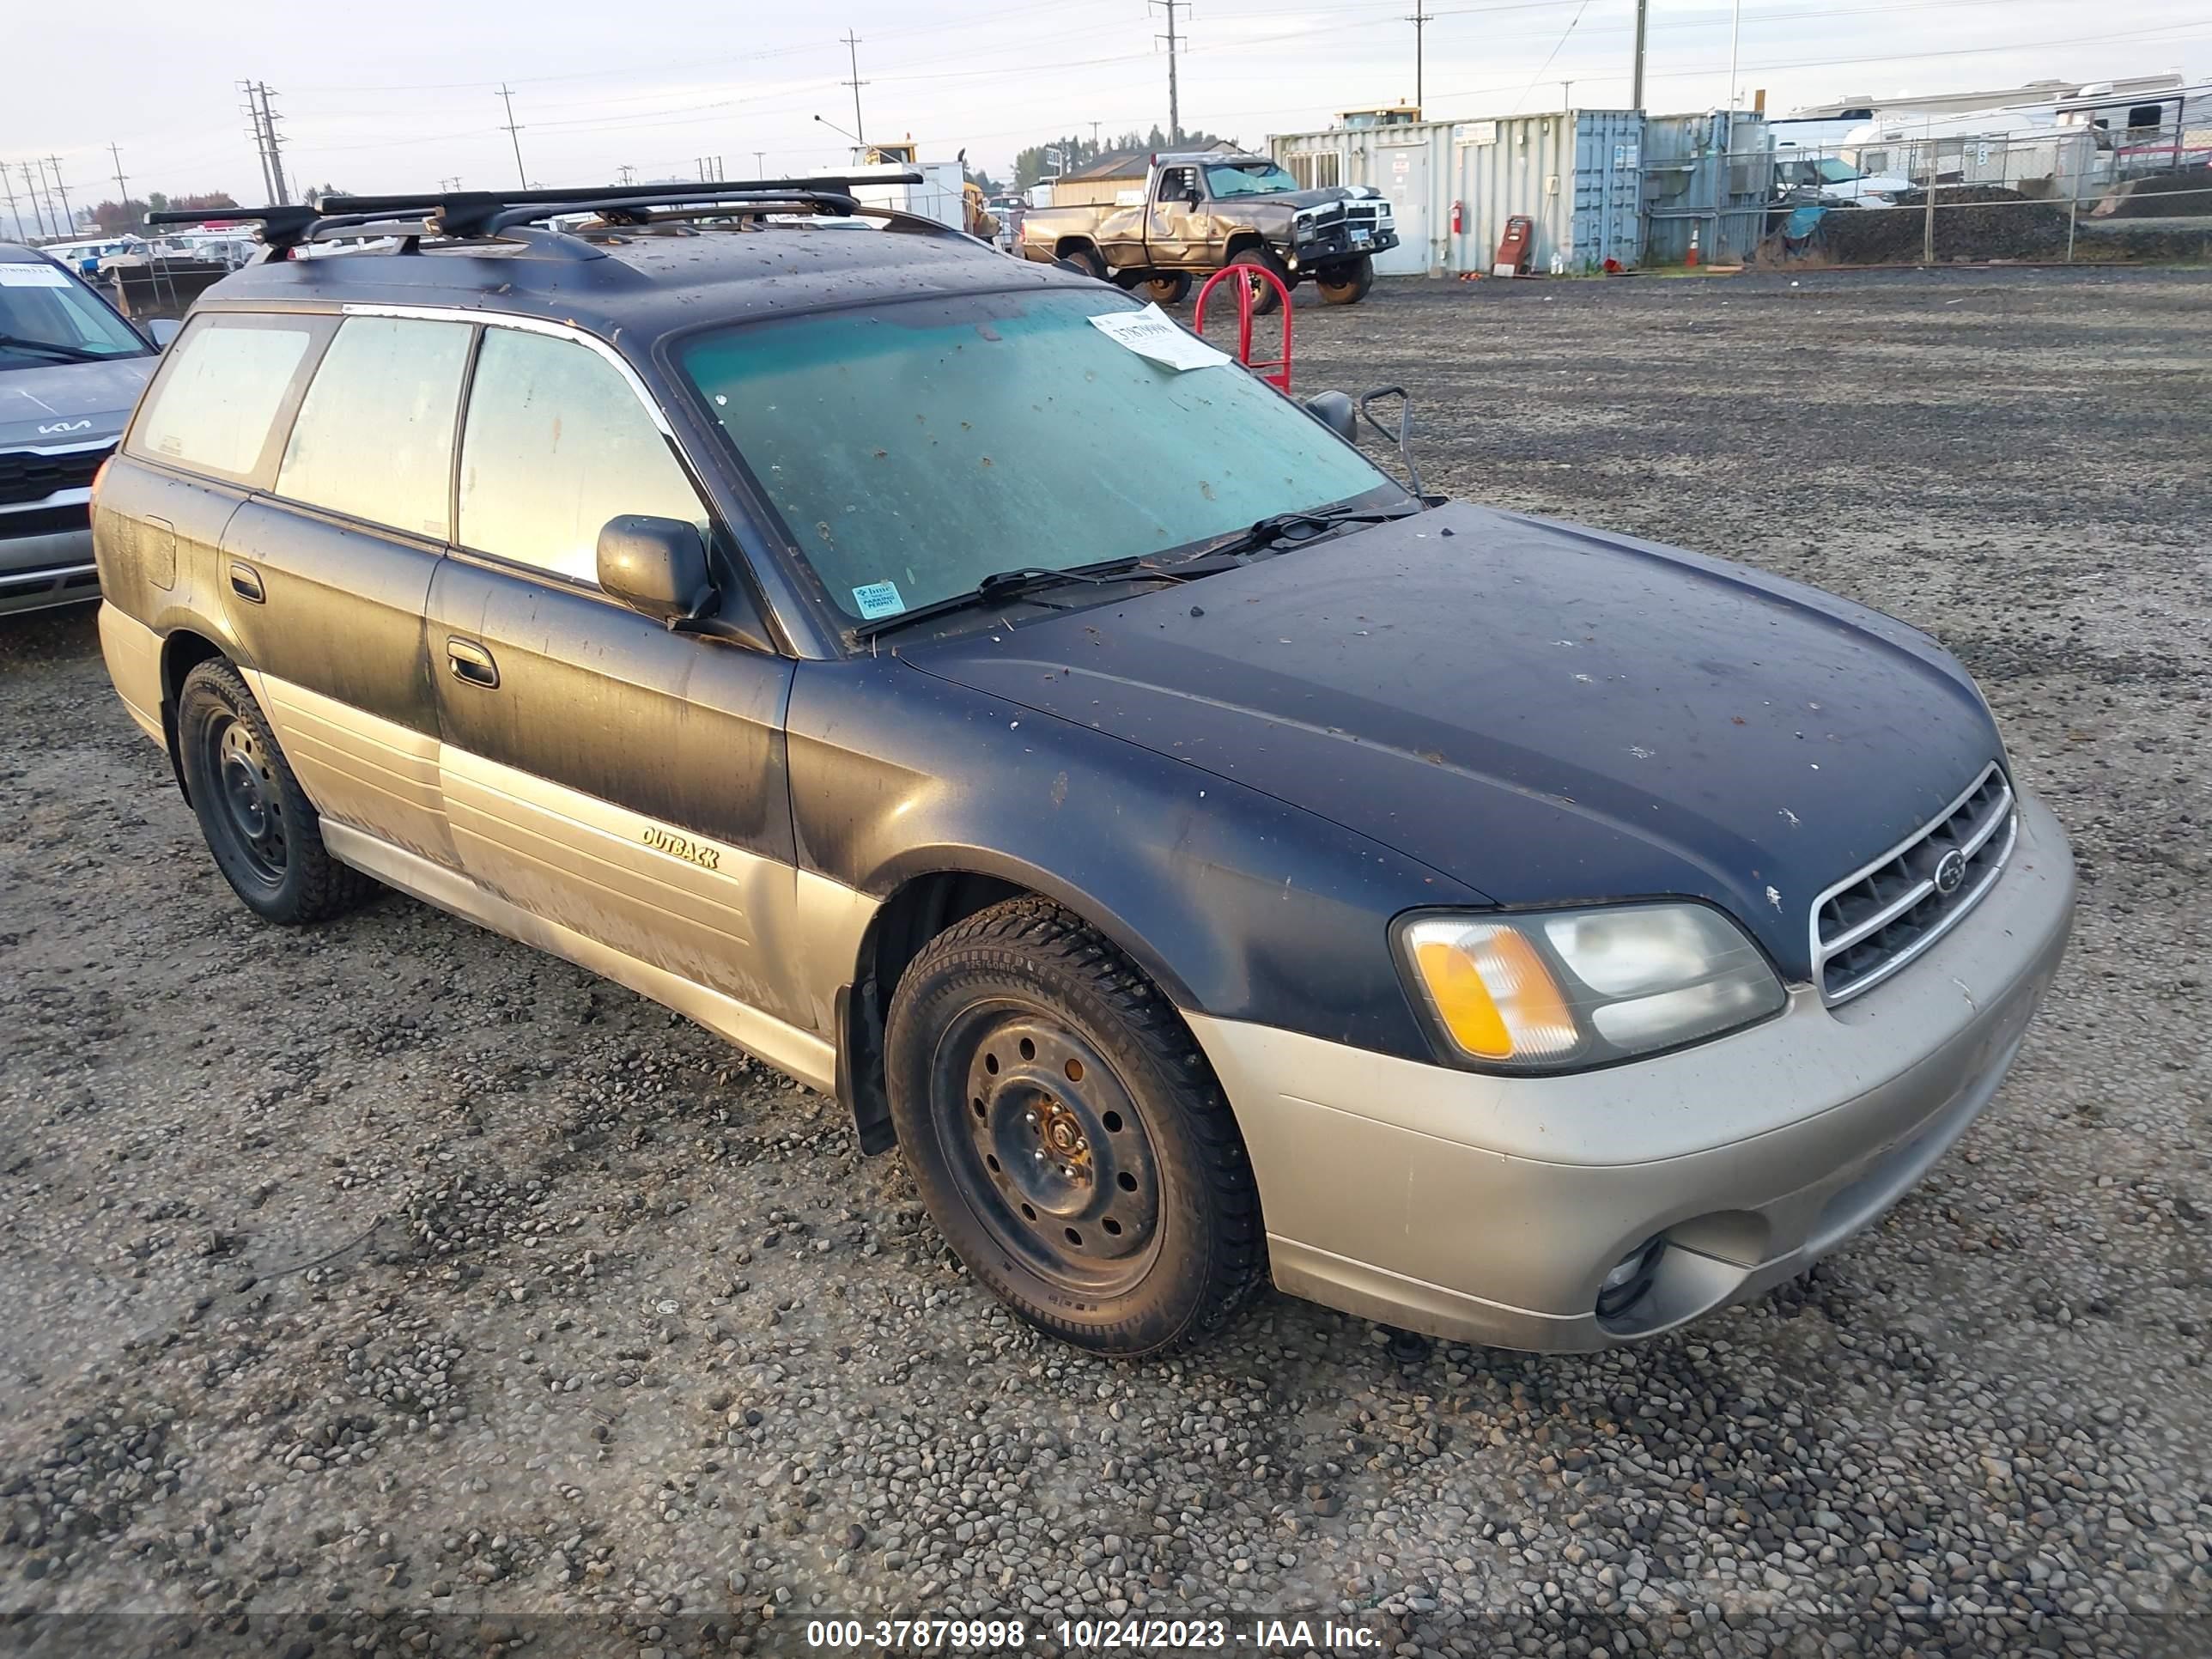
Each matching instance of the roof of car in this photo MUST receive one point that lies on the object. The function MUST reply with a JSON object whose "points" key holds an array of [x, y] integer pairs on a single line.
{"points": [[648, 284]]}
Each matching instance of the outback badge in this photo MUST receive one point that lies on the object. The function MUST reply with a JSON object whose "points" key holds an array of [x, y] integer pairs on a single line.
{"points": [[675, 845]]}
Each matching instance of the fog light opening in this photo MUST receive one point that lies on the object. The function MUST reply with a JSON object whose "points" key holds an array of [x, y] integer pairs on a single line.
{"points": [[1631, 1278]]}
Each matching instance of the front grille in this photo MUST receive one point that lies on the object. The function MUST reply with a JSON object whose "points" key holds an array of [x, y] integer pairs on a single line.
{"points": [[1869, 925], [28, 476]]}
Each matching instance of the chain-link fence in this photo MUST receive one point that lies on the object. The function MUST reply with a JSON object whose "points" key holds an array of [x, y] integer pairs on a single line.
{"points": [[2090, 192]]}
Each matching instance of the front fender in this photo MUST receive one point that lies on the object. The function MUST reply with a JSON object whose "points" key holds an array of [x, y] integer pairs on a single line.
{"points": [[1238, 904]]}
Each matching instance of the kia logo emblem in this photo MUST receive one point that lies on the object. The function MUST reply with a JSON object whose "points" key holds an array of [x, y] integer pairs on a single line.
{"points": [[52, 427]]}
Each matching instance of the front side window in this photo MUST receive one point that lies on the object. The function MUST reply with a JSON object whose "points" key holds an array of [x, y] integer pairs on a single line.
{"points": [[1248, 178], [375, 438], [214, 405], [914, 449], [1175, 184], [48, 317], [556, 444]]}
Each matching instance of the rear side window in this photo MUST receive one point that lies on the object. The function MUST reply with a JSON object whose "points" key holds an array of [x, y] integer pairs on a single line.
{"points": [[215, 407], [557, 444], [375, 438]]}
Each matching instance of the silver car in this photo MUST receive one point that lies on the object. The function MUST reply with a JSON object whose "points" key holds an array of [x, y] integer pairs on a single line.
{"points": [[70, 370]]}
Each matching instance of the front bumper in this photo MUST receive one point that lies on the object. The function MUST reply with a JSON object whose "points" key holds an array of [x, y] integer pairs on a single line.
{"points": [[55, 567], [1489, 1209], [1337, 244]]}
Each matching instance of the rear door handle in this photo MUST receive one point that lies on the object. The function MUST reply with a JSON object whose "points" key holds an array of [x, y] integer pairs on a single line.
{"points": [[245, 582], [470, 662]]}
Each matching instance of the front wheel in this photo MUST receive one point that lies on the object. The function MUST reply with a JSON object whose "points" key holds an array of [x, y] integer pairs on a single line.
{"points": [[1264, 299], [264, 832], [1347, 285], [1067, 1136], [1168, 290]]}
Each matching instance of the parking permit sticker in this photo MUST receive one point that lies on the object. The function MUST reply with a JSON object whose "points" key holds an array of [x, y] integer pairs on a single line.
{"points": [[38, 275], [878, 600], [1153, 334]]}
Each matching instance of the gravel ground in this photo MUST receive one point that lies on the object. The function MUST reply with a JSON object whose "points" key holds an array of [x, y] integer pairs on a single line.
{"points": [[390, 1288]]}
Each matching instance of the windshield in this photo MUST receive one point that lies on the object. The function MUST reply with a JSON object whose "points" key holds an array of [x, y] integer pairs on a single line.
{"points": [[916, 448], [1833, 172], [1248, 178], [41, 302]]}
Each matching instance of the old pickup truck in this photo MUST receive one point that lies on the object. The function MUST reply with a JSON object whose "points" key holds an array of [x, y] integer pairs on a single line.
{"points": [[1200, 211]]}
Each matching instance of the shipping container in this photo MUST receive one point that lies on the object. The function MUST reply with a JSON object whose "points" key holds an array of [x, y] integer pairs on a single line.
{"points": [[1600, 186]]}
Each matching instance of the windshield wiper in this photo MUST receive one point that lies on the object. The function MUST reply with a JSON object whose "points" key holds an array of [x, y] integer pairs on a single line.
{"points": [[66, 353], [1002, 584], [1277, 527]]}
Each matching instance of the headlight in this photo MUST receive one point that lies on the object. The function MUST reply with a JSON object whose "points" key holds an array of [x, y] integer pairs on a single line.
{"points": [[1574, 988]]}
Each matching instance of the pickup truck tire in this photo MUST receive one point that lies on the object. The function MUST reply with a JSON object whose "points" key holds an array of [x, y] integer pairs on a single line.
{"points": [[1346, 285], [1265, 300], [1068, 1137], [1088, 260], [264, 832], [1171, 290]]}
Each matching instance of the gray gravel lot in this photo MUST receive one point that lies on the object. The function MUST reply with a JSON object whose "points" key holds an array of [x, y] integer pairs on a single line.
{"points": [[390, 1288]]}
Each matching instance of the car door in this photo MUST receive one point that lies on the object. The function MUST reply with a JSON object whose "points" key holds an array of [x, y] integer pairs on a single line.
{"points": [[325, 576], [1175, 231], [617, 779]]}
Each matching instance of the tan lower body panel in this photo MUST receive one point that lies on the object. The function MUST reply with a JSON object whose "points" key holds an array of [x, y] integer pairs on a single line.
{"points": [[808, 1057], [133, 655], [368, 773]]}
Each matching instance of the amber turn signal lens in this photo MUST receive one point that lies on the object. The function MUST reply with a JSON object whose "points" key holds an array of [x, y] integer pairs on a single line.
{"points": [[1495, 995]]}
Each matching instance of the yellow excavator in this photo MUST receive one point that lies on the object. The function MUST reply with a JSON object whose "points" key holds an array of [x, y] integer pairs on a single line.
{"points": [[905, 152]]}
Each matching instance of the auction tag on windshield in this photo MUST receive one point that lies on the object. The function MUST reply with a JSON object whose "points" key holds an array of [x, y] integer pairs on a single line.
{"points": [[41, 275], [878, 600], [1153, 334]]}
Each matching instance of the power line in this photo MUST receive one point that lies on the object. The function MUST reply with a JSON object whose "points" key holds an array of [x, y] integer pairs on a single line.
{"points": [[1174, 109], [514, 133], [1637, 101], [852, 53]]}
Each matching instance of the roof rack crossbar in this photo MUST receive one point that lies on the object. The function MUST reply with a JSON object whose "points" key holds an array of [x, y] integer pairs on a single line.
{"points": [[573, 199]]}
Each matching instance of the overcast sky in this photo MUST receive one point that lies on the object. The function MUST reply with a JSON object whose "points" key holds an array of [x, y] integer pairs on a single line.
{"points": [[401, 94]]}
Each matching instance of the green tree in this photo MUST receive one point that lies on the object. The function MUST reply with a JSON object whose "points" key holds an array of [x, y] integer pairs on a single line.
{"points": [[113, 218], [1029, 167]]}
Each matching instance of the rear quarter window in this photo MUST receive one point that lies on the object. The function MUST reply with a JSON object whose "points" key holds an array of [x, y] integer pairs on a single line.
{"points": [[214, 407], [374, 437]]}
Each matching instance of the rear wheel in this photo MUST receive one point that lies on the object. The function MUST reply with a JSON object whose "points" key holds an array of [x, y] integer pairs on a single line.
{"points": [[1067, 1136], [1168, 290], [264, 832], [1346, 285], [1088, 260], [1264, 299]]}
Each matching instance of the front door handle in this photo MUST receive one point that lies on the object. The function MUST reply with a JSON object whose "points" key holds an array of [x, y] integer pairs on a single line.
{"points": [[470, 662], [245, 582]]}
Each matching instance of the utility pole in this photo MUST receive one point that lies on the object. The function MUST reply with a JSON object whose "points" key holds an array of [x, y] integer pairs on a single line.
{"points": [[122, 185], [1174, 108], [68, 216], [760, 164], [1636, 96], [275, 148], [15, 218], [30, 189], [513, 133], [1566, 95], [1419, 20], [628, 174], [453, 183], [1735, 31], [853, 51], [260, 141]]}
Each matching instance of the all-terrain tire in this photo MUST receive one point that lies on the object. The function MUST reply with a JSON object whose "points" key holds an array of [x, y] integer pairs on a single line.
{"points": [[1265, 300], [264, 832], [1347, 285], [1142, 1091]]}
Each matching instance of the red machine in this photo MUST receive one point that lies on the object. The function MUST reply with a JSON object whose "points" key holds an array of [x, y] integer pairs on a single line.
{"points": [[1275, 370], [1516, 249]]}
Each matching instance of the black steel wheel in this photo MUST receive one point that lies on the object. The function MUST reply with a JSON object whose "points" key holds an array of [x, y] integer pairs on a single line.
{"points": [[1169, 290], [1068, 1137], [257, 821]]}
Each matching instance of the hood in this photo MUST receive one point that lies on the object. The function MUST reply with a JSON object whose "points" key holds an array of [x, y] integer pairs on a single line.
{"points": [[1545, 713], [69, 403], [1319, 197]]}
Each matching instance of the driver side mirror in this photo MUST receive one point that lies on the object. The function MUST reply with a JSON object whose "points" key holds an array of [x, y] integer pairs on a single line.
{"points": [[1337, 412], [162, 329], [1193, 197], [657, 567]]}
